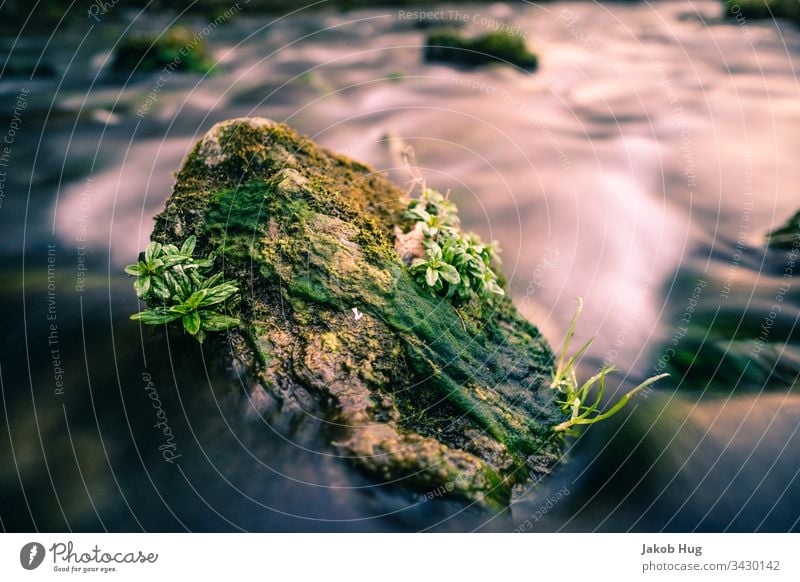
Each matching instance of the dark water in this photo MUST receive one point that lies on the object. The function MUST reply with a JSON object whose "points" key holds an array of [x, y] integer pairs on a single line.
{"points": [[640, 168]]}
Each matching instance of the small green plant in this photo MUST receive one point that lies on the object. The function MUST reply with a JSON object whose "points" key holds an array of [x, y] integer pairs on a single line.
{"points": [[455, 264], [576, 395], [174, 285]]}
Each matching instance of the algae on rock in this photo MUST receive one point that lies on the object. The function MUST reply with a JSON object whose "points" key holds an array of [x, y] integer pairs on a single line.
{"points": [[411, 391]]}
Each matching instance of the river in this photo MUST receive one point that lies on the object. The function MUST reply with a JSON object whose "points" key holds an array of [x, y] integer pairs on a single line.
{"points": [[640, 167]]}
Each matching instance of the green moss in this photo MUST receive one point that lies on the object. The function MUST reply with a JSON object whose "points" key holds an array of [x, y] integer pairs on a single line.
{"points": [[498, 46], [479, 377], [431, 395], [178, 49]]}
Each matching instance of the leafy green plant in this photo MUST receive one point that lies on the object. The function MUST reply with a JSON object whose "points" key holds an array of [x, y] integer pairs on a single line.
{"points": [[175, 285], [455, 264], [576, 395], [157, 259]]}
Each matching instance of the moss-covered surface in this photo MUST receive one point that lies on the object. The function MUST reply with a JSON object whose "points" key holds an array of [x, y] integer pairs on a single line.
{"points": [[499, 46], [178, 49], [411, 390], [763, 9]]}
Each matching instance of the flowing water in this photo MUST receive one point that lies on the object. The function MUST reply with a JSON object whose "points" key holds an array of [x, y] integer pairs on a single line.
{"points": [[640, 168]]}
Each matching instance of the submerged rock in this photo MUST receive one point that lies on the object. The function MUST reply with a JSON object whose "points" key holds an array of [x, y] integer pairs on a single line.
{"points": [[743, 10], [786, 237], [748, 341], [410, 389]]}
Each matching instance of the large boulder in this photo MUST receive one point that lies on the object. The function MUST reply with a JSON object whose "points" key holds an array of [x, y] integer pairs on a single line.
{"points": [[410, 388]]}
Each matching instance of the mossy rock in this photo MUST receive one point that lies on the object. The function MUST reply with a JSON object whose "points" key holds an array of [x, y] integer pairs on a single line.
{"points": [[748, 343], [179, 48], [763, 9], [499, 46], [786, 237], [716, 359], [410, 390]]}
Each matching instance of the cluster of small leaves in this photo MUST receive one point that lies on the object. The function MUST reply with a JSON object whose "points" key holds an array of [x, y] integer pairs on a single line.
{"points": [[174, 285], [457, 265], [576, 395]]}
